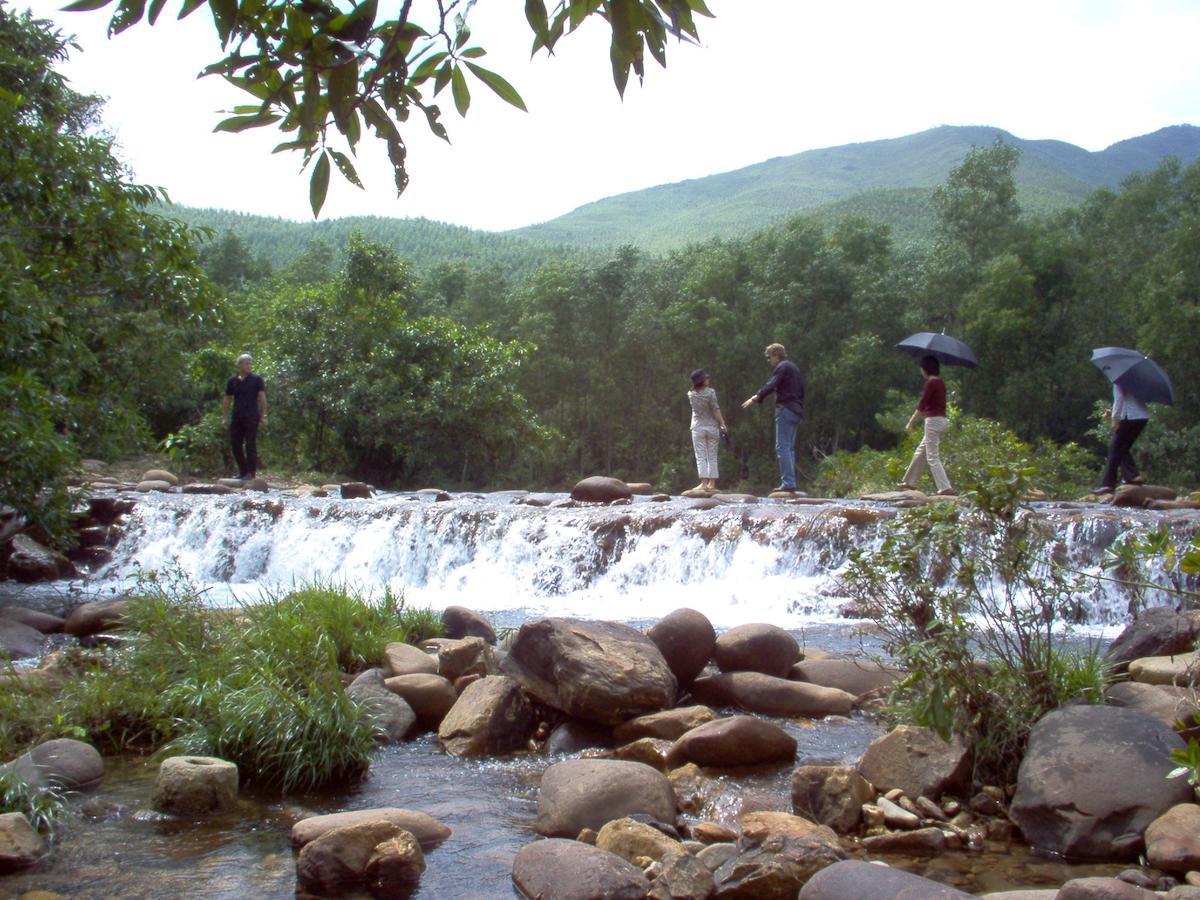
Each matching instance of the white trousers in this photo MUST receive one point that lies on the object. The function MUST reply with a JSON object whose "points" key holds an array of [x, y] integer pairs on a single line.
{"points": [[705, 439], [930, 449]]}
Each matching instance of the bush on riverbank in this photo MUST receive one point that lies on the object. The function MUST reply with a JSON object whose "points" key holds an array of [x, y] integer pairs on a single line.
{"points": [[259, 685], [973, 603]]}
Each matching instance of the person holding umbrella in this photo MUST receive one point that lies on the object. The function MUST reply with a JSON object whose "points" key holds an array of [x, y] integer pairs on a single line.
{"points": [[1137, 381], [932, 406]]}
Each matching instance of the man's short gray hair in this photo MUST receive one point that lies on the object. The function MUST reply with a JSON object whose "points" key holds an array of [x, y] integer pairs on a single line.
{"points": [[245, 356]]}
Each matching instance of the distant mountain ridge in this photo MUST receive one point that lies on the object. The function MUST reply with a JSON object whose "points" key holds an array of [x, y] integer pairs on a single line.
{"points": [[1051, 175]]}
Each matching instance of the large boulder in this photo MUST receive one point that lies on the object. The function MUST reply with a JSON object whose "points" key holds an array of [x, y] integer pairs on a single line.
{"points": [[556, 869], [405, 659], [777, 854], [18, 640], [379, 855], [1173, 839], [757, 648], [600, 671], [853, 879], [1179, 669], [29, 561], [393, 718], [831, 795], [160, 475], [428, 831], [96, 617], [1157, 631], [735, 741], [916, 760], [1092, 780], [492, 716], [1138, 495], [685, 638], [1167, 703], [63, 763], [457, 657], [460, 622], [771, 696], [196, 786], [587, 793], [601, 489], [20, 844], [666, 725], [855, 676], [430, 696]]}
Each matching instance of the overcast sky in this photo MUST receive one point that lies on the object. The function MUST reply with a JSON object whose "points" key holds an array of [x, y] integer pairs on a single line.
{"points": [[772, 78]]}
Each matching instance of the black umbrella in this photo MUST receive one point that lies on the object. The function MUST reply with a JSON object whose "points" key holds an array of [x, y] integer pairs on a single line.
{"points": [[945, 349], [1136, 373]]}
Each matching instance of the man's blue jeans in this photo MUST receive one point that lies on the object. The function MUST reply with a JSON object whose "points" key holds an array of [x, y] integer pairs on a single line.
{"points": [[786, 423]]}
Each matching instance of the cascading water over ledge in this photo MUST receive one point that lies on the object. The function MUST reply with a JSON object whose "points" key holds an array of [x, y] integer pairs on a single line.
{"points": [[736, 563]]}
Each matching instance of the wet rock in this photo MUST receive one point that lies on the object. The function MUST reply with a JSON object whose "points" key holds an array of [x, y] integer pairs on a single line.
{"points": [[160, 475], [905, 498], [648, 751], [63, 763], [683, 877], [1173, 839], [916, 760], [853, 879], [359, 855], [1138, 495], [896, 816], [757, 648], [30, 562], [716, 855], [461, 656], [20, 844], [919, 842], [587, 793], [18, 640], [1180, 669], [1093, 778], [205, 488], [741, 499], [558, 869], [778, 866], [356, 490], [146, 487], [437, 495], [600, 489], [430, 696], [685, 638], [1157, 631], [428, 831], [854, 676], [96, 617], [599, 671], [196, 786], [460, 622], [669, 724], [692, 788], [1102, 889], [393, 718], [734, 741], [405, 659], [1167, 703], [831, 795], [712, 833], [575, 735], [491, 716], [630, 839], [769, 695]]}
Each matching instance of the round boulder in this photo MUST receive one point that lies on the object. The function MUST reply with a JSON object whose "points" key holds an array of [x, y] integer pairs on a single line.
{"points": [[771, 696], [916, 760], [855, 676], [160, 475], [556, 869], [601, 489], [20, 844], [428, 831], [18, 640], [63, 763], [831, 795], [1093, 779], [1173, 839], [460, 622], [394, 719], [355, 490], [735, 741], [757, 648], [853, 879], [405, 659], [196, 786], [574, 735], [1157, 631], [43, 622], [587, 793], [29, 561], [685, 638], [629, 839], [430, 696]]}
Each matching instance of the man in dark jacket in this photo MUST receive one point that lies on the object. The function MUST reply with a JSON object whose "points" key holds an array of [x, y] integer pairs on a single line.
{"points": [[787, 384], [249, 396]]}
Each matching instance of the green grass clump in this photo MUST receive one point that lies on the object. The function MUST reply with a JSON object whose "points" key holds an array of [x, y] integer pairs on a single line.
{"points": [[42, 806]]}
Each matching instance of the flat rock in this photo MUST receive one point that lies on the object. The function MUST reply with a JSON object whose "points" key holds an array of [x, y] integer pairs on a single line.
{"points": [[556, 869], [734, 741], [915, 760], [853, 879], [855, 676], [906, 497], [686, 639], [29, 561], [669, 724], [1167, 703], [43, 622], [918, 842], [587, 793], [203, 487], [600, 489], [1179, 669], [405, 659], [1137, 495], [427, 830], [18, 640], [1093, 779], [1097, 888], [630, 839], [146, 487], [757, 647], [430, 696], [491, 716], [769, 695], [160, 475]]}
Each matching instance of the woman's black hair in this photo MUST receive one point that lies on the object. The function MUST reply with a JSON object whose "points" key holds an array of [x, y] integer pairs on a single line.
{"points": [[698, 376], [930, 365]]}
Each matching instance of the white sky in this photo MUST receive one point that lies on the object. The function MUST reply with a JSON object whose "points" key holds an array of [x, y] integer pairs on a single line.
{"points": [[773, 78]]}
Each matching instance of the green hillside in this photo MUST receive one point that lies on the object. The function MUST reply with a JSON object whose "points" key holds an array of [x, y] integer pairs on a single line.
{"points": [[883, 179]]}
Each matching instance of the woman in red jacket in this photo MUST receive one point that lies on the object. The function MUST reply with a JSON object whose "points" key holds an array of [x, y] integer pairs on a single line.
{"points": [[933, 407]]}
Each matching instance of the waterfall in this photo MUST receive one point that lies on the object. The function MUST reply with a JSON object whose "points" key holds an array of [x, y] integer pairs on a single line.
{"points": [[736, 563]]}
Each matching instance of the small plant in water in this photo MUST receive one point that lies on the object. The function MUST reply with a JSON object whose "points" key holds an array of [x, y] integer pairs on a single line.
{"points": [[42, 806]]}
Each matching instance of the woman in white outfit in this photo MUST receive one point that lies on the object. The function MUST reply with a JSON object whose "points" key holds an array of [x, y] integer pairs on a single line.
{"points": [[707, 426]]}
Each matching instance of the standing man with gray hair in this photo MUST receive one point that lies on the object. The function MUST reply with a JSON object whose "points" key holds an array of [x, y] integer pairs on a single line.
{"points": [[249, 394], [787, 384]]}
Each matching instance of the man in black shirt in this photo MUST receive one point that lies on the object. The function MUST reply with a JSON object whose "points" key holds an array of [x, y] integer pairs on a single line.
{"points": [[787, 384], [249, 411]]}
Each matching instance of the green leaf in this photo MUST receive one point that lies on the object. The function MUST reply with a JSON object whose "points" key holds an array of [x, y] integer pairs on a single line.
{"points": [[472, 53], [86, 5], [156, 8], [503, 89], [427, 67], [189, 7], [346, 168], [318, 185], [539, 21], [236, 124], [462, 94], [293, 145]]}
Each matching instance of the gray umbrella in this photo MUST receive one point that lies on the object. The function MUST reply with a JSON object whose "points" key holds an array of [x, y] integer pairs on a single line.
{"points": [[1136, 373], [945, 349]]}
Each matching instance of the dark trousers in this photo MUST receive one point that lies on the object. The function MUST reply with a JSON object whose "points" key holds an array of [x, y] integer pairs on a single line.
{"points": [[243, 435], [1119, 457]]}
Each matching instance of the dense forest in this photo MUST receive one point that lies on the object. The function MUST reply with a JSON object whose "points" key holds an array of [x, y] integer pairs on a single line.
{"points": [[485, 372]]}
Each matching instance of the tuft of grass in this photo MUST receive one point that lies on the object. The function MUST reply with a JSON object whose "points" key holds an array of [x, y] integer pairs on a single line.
{"points": [[42, 806]]}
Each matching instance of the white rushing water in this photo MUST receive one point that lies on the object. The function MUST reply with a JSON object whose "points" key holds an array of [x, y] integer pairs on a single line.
{"points": [[736, 564]]}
